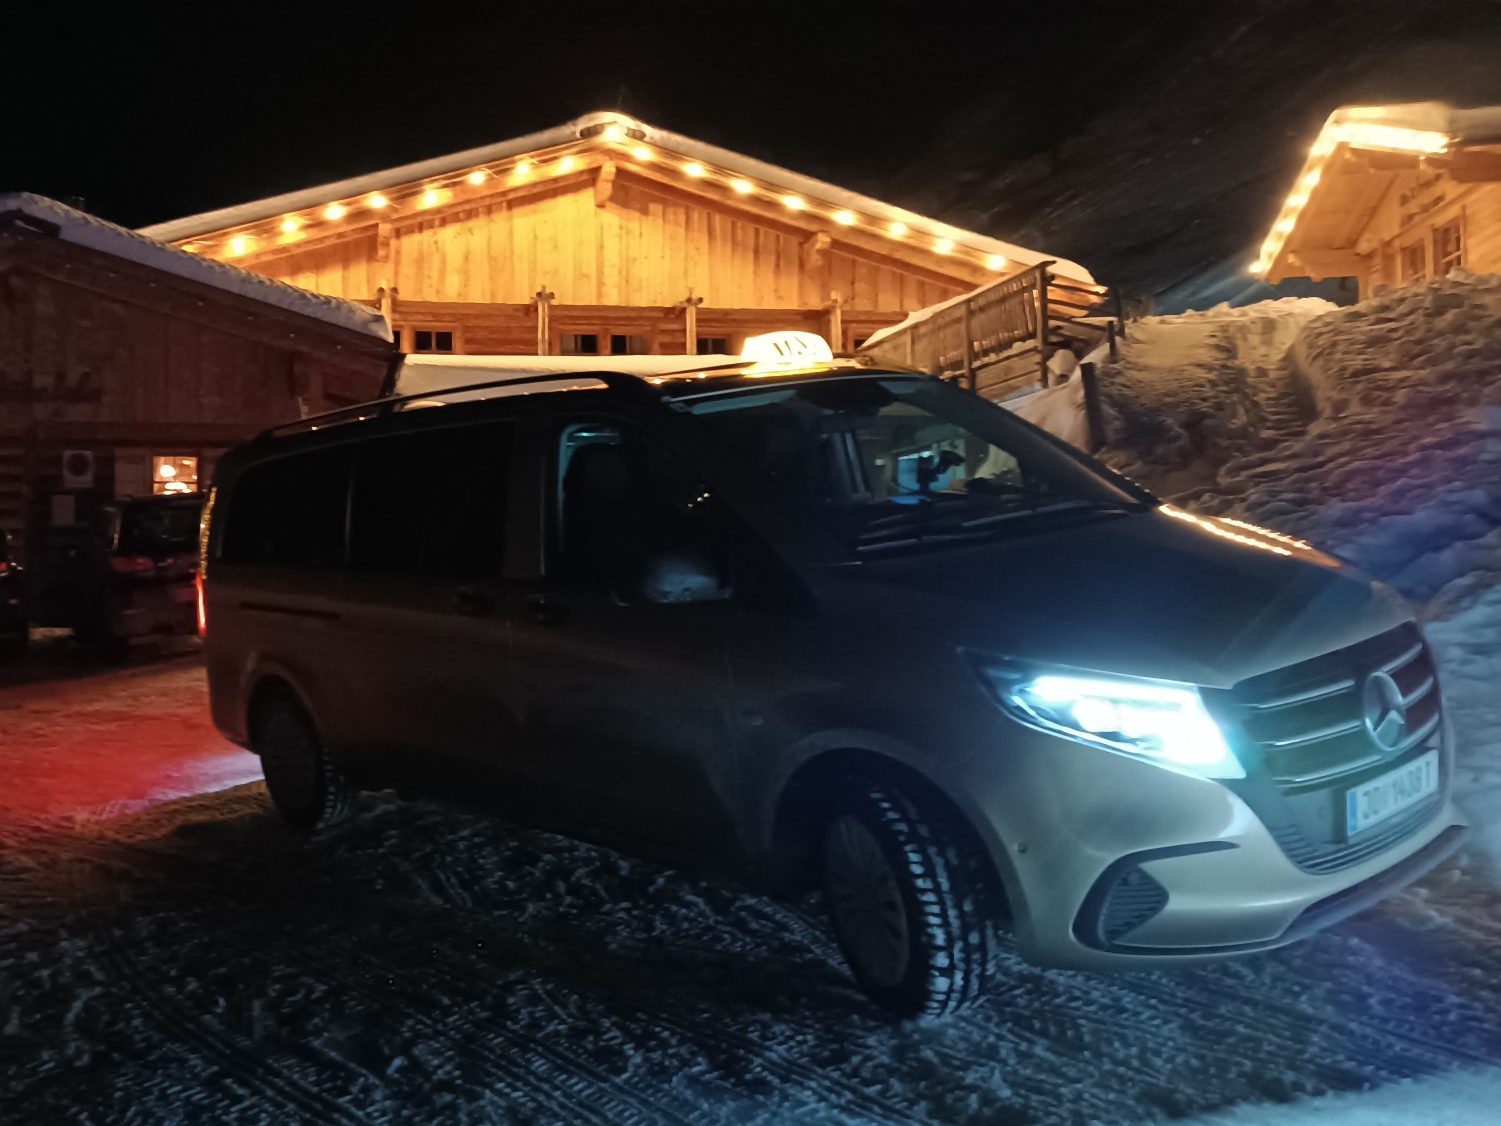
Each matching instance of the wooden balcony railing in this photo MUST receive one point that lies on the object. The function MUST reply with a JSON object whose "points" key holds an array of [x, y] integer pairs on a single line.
{"points": [[997, 338]]}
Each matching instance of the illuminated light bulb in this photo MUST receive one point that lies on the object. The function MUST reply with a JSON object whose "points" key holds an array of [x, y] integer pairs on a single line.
{"points": [[335, 211], [1284, 225], [996, 261], [1322, 147], [238, 246], [377, 201], [290, 225], [614, 131], [695, 169], [898, 229], [567, 164], [1297, 201], [744, 187], [1311, 178], [641, 152], [944, 245], [1258, 267], [477, 177], [189, 248], [522, 170], [430, 198], [844, 218], [794, 202], [168, 471]]}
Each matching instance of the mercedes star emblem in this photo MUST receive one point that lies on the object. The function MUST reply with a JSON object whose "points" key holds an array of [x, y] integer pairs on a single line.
{"points": [[1384, 712]]}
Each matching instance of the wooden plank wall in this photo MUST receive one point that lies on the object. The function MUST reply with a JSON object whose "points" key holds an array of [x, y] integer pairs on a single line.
{"points": [[1417, 202], [645, 248]]}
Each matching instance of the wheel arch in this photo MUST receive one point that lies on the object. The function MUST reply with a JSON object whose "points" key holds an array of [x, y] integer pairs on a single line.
{"points": [[805, 798]]}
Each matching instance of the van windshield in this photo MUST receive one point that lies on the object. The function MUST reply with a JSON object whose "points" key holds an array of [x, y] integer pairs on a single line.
{"points": [[898, 462]]}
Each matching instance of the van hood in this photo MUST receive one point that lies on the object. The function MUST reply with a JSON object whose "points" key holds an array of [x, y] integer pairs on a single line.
{"points": [[1160, 594]]}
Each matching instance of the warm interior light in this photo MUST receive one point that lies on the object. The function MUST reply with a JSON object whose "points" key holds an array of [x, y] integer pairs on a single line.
{"points": [[290, 225], [694, 168], [1311, 179], [167, 471], [567, 164], [430, 198], [844, 218], [477, 177], [794, 202], [1284, 225], [614, 131], [522, 170], [996, 261], [744, 187], [944, 245], [335, 211], [1373, 135], [377, 201], [641, 152], [237, 246], [1258, 267], [898, 229], [190, 248]]}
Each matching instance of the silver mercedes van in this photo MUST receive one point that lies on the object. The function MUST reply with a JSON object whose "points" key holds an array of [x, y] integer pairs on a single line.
{"points": [[829, 626]]}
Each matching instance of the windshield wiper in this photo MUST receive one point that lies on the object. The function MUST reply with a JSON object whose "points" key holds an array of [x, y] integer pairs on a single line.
{"points": [[929, 525]]}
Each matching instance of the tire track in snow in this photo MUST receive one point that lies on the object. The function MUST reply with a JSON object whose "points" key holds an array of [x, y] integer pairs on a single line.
{"points": [[205, 1039]]}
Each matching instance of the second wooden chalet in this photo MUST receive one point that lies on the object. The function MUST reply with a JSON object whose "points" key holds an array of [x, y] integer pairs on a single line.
{"points": [[608, 236]]}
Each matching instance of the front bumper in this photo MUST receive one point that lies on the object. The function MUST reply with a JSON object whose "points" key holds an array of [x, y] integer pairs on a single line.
{"points": [[1112, 862]]}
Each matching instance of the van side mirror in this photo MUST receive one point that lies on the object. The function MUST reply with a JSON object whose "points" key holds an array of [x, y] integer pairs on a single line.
{"points": [[681, 576]]}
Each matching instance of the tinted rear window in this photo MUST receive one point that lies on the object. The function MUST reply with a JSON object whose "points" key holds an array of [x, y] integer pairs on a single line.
{"points": [[433, 503], [156, 529], [290, 512]]}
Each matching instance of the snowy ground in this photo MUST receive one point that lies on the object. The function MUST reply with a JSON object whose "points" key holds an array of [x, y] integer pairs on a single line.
{"points": [[170, 952]]}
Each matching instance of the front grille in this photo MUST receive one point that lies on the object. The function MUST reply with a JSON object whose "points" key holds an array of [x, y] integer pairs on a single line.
{"points": [[1301, 732], [1306, 719]]}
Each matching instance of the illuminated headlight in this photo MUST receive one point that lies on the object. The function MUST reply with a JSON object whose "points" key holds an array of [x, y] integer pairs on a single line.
{"points": [[1163, 723]]}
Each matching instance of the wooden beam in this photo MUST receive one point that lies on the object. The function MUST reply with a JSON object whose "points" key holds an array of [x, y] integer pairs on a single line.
{"points": [[690, 306], [1475, 166], [604, 183], [545, 299], [836, 321], [815, 250]]}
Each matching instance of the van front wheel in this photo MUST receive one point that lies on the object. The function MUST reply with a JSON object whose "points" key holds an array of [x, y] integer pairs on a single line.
{"points": [[906, 903], [308, 790]]}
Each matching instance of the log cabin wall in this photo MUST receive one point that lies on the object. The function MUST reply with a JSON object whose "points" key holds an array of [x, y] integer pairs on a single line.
{"points": [[1424, 213], [122, 363], [621, 264]]}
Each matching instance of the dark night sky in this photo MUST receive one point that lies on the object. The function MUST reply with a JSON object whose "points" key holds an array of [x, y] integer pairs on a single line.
{"points": [[148, 113]]}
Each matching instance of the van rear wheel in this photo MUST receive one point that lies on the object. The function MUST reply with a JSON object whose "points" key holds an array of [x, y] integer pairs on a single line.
{"points": [[308, 790], [907, 903]]}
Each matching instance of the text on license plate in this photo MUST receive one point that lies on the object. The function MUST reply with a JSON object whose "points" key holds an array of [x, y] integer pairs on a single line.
{"points": [[1391, 793]]}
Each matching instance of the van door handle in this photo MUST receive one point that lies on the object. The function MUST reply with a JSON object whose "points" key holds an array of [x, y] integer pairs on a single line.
{"points": [[546, 610], [472, 600]]}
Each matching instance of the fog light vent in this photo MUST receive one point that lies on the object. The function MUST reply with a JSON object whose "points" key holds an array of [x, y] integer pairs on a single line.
{"points": [[1134, 898]]}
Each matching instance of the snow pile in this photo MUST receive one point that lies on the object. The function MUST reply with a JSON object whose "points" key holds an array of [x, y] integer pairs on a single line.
{"points": [[1058, 409], [1373, 431]]}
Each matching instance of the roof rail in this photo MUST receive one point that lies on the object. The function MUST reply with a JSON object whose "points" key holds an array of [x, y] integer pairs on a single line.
{"points": [[378, 407]]}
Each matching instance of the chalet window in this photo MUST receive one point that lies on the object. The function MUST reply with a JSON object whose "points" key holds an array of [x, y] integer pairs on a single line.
{"points": [[1414, 263], [432, 340], [1448, 248], [713, 346], [174, 473], [604, 344]]}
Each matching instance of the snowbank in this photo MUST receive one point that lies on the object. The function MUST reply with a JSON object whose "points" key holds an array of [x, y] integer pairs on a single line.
{"points": [[1373, 431], [1059, 410]]}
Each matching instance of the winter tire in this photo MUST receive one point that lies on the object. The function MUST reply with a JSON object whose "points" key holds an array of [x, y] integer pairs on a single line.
{"points": [[907, 902], [308, 790]]}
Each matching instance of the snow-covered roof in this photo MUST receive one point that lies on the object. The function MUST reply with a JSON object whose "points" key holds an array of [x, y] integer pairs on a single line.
{"points": [[1418, 129], [630, 130], [83, 229]]}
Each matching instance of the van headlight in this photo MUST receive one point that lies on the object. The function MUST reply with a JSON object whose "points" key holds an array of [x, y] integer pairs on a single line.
{"points": [[1162, 722]]}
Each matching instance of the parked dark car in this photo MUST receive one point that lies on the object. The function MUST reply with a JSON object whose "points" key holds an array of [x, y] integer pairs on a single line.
{"points": [[829, 625], [13, 632], [128, 575]]}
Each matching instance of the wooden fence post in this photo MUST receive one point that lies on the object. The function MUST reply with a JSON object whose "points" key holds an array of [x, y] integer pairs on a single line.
{"points": [[970, 379], [1042, 324], [1094, 417]]}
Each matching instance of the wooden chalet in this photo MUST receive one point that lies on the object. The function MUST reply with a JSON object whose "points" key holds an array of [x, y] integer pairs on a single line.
{"points": [[1392, 195], [127, 367], [608, 236]]}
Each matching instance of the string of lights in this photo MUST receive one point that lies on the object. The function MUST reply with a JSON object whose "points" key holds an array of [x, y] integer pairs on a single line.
{"points": [[611, 143]]}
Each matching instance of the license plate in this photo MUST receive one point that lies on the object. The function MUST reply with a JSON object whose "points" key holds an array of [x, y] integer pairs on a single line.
{"points": [[1390, 794]]}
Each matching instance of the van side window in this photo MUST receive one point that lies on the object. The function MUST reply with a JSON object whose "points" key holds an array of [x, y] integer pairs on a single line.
{"points": [[623, 497], [290, 511], [432, 503]]}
